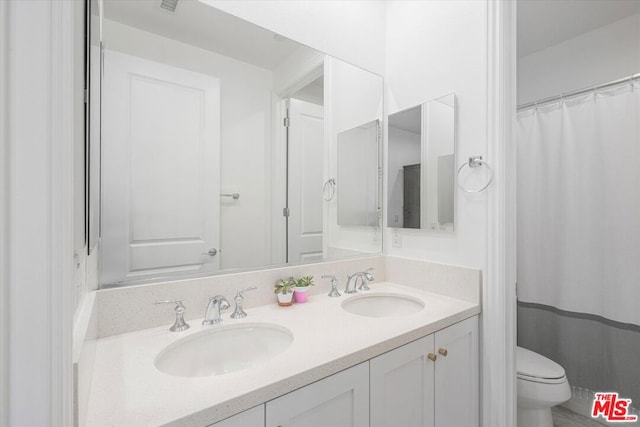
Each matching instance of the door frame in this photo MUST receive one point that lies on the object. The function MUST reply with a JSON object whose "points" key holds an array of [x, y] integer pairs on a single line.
{"points": [[498, 372], [39, 140]]}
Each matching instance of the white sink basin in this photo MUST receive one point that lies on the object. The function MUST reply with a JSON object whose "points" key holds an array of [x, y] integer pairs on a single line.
{"points": [[223, 349], [382, 305]]}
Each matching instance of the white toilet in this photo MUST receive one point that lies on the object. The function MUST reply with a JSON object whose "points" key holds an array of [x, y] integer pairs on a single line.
{"points": [[542, 384]]}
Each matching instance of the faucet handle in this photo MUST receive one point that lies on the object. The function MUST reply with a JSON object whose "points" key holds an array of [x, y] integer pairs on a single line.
{"points": [[179, 324], [239, 313], [177, 302], [366, 277], [242, 291], [334, 285]]}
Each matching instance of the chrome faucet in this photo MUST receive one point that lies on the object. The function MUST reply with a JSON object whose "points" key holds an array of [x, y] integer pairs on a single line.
{"points": [[216, 305], [352, 281], [239, 313], [179, 324]]}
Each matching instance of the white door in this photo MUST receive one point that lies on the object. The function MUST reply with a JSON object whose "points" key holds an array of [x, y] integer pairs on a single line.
{"points": [[306, 153], [341, 400], [160, 169], [457, 379], [402, 386]]}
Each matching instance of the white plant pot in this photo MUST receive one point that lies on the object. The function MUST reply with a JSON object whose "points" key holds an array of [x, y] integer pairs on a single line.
{"points": [[285, 300]]}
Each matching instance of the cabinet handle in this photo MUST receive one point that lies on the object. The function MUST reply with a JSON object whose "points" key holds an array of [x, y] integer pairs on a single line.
{"points": [[432, 357], [443, 352]]}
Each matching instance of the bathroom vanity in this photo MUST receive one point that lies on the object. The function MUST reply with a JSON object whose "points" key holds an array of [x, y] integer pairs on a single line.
{"points": [[416, 366]]}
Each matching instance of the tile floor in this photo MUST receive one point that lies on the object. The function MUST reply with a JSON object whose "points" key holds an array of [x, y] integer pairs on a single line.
{"points": [[563, 417]]}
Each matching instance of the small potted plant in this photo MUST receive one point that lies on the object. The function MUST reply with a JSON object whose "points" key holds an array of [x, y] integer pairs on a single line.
{"points": [[302, 286], [284, 291]]}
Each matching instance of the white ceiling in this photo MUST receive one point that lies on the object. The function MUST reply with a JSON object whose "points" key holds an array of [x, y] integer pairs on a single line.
{"points": [[544, 23], [541, 24], [200, 25]]}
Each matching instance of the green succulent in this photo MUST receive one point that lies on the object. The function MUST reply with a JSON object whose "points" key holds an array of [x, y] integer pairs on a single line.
{"points": [[284, 286], [305, 281]]}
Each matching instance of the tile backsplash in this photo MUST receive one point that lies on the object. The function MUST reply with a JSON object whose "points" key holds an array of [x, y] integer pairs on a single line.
{"points": [[132, 308], [456, 282]]}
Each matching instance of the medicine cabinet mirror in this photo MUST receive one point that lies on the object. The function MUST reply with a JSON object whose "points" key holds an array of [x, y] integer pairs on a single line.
{"points": [[421, 166], [358, 169], [219, 146]]}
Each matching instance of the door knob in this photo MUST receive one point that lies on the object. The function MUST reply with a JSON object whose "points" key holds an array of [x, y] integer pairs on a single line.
{"points": [[443, 352], [210, 252], [432, 357]]}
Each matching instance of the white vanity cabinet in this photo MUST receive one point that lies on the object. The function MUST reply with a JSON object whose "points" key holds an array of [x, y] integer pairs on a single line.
{"points": [[457, 378], [253, 417], [401, 382], [341, 400], [431, 382]]}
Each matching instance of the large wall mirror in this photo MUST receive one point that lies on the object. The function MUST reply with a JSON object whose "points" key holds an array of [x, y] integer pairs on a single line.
{"points": [[220, 146], [421, 166]]}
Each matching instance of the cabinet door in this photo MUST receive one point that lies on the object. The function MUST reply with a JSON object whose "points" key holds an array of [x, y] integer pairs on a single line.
{"points": [[253, 417], [456, 375], [402, 386], [339, 400]]}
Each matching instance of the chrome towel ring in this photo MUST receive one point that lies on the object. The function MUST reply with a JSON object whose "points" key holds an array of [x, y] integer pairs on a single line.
{"points": [[329, 189], [474, 162]]}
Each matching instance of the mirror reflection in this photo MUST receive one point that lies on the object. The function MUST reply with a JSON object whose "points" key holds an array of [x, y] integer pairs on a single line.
{"points": [[220, 146], [421, 165], [357, 175]]}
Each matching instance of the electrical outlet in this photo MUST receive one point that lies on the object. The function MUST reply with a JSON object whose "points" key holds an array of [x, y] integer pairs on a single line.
{"points": [[396, 238]]}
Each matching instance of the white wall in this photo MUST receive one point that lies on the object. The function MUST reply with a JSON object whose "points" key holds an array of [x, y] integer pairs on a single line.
{"points": [[406, 151], [245, 134], [608, 53], [435, 48], [353, 31]]}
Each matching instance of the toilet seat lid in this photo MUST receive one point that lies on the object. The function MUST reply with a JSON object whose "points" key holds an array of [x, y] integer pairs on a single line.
{"points": [[534, 366]]}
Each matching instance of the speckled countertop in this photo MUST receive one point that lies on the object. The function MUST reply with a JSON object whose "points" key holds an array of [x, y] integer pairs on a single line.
{"points": [[128, 390]]}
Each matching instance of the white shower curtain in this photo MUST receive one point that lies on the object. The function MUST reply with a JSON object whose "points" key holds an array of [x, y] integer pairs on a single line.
{"points": [[579, 204], [579, 239]]}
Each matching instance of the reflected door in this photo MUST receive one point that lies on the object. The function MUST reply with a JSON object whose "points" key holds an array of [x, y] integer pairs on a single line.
{"points": [[161, 144], [306, 139], [411, 196]]}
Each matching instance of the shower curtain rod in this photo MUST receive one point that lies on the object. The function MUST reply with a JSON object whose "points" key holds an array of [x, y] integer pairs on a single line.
{"points": [[578, 92]]}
